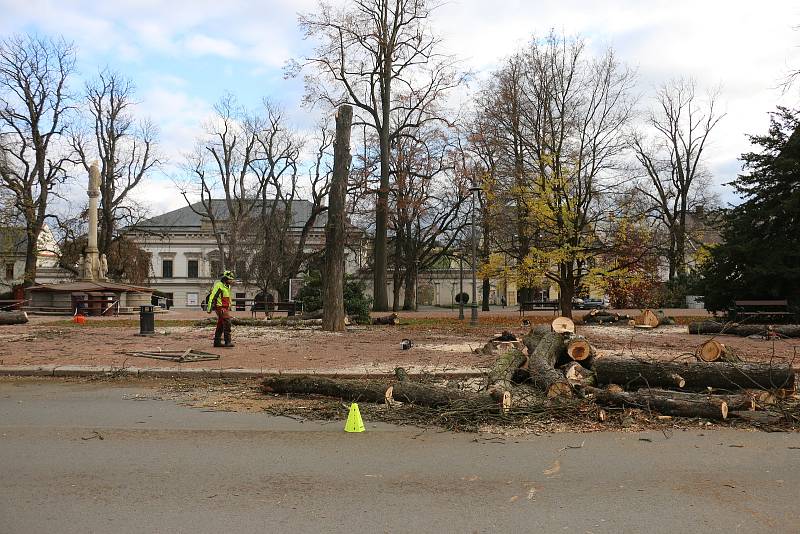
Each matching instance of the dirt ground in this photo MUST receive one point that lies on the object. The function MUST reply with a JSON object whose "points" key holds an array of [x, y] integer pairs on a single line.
{"points": [[440, 342]]}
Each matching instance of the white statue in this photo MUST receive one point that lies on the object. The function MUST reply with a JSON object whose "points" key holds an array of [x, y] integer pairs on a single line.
{"points": [[103, 266], [87, 268], [82, 266]]}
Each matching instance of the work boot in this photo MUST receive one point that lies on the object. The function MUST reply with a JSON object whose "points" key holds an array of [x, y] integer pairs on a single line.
{"points": [[218, 342], [228, 343]]}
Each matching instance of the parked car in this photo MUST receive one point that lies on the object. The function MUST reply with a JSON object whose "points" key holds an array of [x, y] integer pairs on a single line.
{"points": [[593, 304]]}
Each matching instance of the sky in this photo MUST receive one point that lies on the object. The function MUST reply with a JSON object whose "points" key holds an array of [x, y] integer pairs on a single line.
{"points": [[183, 55]]}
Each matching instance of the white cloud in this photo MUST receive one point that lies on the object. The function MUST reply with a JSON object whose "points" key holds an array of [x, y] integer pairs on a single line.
{"points": [[200, 44]]}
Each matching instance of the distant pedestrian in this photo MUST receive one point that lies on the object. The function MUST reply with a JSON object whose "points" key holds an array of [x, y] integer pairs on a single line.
{"points": [[503, 301], [220, 303]]}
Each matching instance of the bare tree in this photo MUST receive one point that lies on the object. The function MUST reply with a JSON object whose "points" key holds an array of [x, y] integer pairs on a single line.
{"points": [[221, 166], [380, 56], [126, 149], [428, 198], [671, 157], [34, 107], [280, 240]]}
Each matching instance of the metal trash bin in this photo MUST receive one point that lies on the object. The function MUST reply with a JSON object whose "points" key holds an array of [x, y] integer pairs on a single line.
{"points": [[147, 320]]}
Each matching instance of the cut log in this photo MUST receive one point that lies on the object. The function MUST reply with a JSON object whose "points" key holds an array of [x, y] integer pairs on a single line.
{"points": [[665, 403], [712, 351], [550, 351], [745, 330], [502, 373], [741, 401], [392, 319], [375, 391], [647, 318], [614, 388], [400, 374], [13, 317], [697, 375], [563, 325], [652, 319], [580, 350], [577, 375]]}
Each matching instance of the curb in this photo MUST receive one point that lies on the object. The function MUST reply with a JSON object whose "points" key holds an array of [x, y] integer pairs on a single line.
{"points": [[177, 372]]}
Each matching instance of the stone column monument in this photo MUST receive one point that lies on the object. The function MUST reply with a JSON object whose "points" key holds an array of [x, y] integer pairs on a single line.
{"points": [[92, 269]]}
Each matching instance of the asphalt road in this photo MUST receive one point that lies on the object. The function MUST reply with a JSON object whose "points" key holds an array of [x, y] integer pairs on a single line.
{"points": [[166, 468]]}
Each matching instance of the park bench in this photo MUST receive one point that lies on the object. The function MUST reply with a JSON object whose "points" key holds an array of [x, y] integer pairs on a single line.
{"points": [[761, 310], [537, 305], [270, 307]]}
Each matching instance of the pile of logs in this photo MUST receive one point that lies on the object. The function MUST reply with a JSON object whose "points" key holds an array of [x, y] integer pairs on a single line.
{"points": [[556, 363], [606, 317]]}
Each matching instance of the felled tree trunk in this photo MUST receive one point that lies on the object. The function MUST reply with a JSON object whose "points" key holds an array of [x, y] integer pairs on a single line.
{"points": [[375, 391], [503, 369], [664, 402], [532, 338], [13, 317], [541, 365], [744, 330], [697, 375], [604, 317]]}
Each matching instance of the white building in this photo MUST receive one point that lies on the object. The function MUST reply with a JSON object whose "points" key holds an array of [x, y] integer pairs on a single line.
{"points": [[185, 259], [13, 243]]}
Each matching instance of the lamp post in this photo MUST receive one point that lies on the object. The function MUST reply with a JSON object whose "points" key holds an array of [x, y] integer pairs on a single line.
{"points": [[473, 318], [461, 287]]}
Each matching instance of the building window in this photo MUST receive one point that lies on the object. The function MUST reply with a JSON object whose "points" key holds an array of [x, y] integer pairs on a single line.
{"points": [[166, 268], [192, 268], [9, 271]]}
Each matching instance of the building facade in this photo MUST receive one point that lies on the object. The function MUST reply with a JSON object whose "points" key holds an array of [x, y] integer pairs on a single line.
{"points": [[185, 260]]}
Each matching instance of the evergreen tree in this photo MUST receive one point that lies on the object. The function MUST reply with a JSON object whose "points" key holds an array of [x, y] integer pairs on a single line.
{"points": [[760, 253]]}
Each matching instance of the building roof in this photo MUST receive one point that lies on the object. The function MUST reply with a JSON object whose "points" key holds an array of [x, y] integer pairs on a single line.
{"points": [[89, 286], [186, 218]]}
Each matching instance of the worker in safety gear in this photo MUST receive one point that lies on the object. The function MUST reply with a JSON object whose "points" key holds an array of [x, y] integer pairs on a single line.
{"points": [[220, 303]]}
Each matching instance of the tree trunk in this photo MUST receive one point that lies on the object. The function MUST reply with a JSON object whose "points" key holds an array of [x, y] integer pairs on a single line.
{"points": [[380, 302], [375, 391], [333, 314], [485, 294], [409, 293], [698, 375], [744, 330], [541, 364], [13, 317], [502, 371], [566, 287], [31, 255], [664, 403]]}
